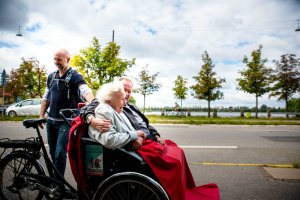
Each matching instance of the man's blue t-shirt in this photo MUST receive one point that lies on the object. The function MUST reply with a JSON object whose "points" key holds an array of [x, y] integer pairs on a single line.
{"points": [[63, 95]]}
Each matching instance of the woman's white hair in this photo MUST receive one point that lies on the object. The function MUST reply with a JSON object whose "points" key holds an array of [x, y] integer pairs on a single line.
{"points": [[108, 90]]}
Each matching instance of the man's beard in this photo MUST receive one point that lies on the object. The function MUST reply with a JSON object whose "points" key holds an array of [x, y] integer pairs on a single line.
{"points": [[60, 67]]}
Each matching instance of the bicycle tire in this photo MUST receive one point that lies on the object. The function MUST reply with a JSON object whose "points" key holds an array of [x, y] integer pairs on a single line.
{"points": [[14, 186], [129, 186]]}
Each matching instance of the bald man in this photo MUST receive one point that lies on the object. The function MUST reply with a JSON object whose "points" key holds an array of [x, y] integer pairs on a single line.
{"points": [[65, 87]]}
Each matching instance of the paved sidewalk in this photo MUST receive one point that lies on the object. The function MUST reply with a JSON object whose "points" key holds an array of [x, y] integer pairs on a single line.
{"points": [[283, 173]]}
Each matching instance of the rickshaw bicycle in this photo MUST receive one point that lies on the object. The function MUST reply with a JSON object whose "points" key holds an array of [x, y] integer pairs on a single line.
{"points": [[125, 175]]}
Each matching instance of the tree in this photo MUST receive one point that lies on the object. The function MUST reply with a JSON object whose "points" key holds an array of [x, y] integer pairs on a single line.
{"points": [[132, 100], [256, 78], [14, 84], [41, 78], [180, 89], [99, 66], [286, 77], [294, 104], [207, 84], [147, 84], [28, 80], [263, 108]]}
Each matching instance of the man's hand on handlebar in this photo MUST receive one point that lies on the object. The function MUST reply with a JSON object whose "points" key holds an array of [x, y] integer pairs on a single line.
{"points": [[41, 125]]}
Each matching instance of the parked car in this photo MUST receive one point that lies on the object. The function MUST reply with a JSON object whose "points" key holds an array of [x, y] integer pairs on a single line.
{"points": [[28, 107]]}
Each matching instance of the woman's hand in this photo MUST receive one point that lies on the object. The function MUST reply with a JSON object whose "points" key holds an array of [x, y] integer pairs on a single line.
{"points": [[138, 143], [141, 134]]}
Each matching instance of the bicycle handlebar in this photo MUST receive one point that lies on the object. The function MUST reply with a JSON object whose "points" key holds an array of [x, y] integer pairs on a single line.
{"points": [[71, 112]]}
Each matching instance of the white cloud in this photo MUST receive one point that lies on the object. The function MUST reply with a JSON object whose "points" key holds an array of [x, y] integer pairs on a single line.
{"points": [[168, 36]]}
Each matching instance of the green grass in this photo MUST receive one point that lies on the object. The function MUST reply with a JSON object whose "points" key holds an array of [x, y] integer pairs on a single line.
{"points": [[7, 118], [296, 164], [198, 120]]}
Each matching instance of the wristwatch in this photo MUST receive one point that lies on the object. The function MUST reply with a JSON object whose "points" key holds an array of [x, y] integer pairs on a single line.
{"points": [[89, 119]]}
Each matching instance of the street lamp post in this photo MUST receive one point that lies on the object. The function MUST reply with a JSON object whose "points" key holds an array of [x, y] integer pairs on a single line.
{"points": [[19, 34], [3, 82], [298, 28]]}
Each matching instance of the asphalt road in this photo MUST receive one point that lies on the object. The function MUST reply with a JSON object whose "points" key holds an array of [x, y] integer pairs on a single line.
{"points": [[211, 148]]}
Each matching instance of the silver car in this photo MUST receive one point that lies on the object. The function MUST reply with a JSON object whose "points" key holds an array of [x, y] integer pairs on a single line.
{"points": [[28, 107]]}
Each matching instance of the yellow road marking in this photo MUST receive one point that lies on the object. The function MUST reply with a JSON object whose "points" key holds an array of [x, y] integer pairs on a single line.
{"points": [[244, 164]]}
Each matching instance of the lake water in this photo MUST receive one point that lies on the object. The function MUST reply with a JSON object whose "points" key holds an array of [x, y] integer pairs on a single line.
{"points": [[224, 114]]}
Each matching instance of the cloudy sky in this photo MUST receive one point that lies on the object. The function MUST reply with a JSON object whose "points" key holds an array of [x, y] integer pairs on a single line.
{"points": [[167, 35]]}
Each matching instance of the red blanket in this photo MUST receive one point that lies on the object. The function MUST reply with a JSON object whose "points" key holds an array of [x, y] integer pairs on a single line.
{"points": [[170, 167]]}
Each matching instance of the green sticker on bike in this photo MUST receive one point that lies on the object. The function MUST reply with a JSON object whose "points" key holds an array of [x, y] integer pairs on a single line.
{"points": [[94, 160]]}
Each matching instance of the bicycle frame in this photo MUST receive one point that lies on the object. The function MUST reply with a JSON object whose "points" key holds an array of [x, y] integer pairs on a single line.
{"points": [[50, 166], [24, 147]]}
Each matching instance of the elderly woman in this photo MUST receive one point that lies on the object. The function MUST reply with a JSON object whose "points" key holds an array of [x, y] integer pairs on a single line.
{"points": [[167, 161], [112, 99]]}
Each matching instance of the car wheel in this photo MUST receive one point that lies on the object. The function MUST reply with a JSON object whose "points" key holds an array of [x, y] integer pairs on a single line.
{"points": [[12, 114]]}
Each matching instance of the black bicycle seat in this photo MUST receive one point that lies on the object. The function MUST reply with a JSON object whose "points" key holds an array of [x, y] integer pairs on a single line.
{"points": [[33, 122]]}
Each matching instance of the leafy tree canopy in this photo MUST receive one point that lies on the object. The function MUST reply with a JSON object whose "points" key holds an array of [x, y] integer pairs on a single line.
{"points": [[180, 89], [207, 83], [99, 66], [28, 81], [147, 84], [286, 78], [256, 78]]}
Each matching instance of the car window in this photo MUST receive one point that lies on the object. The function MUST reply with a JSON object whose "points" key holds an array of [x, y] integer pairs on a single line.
{"points": [[36, 102], [26, 103]]}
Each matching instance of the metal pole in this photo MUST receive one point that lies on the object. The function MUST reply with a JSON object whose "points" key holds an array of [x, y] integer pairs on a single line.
{"points": [[3, 88], [298, 28], [113, 36], [3, 80]]}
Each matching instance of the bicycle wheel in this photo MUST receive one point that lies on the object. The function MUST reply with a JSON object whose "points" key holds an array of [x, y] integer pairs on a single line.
{"points": [[14, 184], [128, 186]]}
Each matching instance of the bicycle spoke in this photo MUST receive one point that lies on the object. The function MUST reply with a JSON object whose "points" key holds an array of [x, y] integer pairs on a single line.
{"points": [[14, 181]]}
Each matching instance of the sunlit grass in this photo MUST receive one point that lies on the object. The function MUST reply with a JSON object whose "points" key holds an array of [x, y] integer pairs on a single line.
{"points": [[197, 120], [224, 120], [7, 118]]}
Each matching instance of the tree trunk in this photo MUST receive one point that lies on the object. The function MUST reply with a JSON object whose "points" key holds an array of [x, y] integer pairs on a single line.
{"points": [[286, 108], [181, 107], [256, 108], [208, 109], [144, 103]]}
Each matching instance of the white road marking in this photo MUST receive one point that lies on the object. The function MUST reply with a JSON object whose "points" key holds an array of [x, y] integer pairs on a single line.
{"points": [[208, 147]]}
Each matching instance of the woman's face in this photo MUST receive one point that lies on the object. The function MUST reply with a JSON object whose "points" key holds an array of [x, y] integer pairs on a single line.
{"points": [[117, 101]]}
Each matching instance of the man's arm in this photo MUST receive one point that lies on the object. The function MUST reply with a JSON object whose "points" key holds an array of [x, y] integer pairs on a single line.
{"points": [[88, 114], [44, 107], [117, 136], [153, 132], [86, 92]]}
